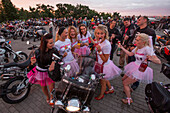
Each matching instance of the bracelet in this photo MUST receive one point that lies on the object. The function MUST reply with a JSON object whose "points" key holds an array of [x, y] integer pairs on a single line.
{"points": [[99, 52]]}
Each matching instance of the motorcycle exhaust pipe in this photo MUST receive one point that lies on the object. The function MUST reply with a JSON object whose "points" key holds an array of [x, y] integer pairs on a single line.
{"points": [[6, 76]]}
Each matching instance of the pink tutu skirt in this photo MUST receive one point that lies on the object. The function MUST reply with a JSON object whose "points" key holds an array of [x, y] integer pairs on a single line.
{"points": [[111, 71], [83, 51], [74, 68], [132, 71], [41, 78]]}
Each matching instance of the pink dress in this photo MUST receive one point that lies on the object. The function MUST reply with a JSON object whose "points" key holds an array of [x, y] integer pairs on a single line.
{"points": [[110, 70], [132, 69]]}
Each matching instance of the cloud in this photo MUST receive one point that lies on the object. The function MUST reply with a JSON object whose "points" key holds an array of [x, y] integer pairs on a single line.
{"points": [[149, 7]]}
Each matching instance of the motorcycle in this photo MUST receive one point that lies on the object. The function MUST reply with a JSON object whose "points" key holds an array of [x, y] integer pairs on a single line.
{"points": [[74, 94], [162, 42], [28, 33], [17, 87], [157, 94], [7, 33], [6, 51]]}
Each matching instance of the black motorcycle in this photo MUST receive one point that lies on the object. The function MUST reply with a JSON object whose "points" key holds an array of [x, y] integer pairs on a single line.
{"points": [[74, 94], [17, 86], [157, 94], [6, 51]]}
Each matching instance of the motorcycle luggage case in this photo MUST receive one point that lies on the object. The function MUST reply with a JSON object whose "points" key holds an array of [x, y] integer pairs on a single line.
{"points": [[159, 97], [166, 69]]}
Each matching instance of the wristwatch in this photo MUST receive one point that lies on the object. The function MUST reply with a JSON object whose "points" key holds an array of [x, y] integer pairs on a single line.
{"points": [[99, 52]]}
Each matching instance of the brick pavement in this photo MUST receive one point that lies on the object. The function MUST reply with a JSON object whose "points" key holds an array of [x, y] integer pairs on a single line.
{"points": [[111, 103]]}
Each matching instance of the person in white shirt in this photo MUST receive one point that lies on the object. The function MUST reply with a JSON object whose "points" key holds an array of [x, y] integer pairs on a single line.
{"points": [[84, 37], [103, 53], [142, 53], [72, 35], [63, 45]]}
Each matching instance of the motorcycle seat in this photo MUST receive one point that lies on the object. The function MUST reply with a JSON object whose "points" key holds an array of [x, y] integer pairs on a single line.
{"points": [[21, 65]]}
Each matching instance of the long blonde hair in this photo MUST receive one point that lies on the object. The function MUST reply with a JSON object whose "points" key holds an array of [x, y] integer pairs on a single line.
{"points": [[102, 28], [69, 31], [144, 38]]}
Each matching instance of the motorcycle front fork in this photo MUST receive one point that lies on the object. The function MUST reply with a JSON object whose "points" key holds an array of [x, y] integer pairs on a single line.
{"points": [[24, 84]]}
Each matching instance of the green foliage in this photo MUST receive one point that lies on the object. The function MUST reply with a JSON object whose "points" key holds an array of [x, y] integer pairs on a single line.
{"points": [[9, 12]]}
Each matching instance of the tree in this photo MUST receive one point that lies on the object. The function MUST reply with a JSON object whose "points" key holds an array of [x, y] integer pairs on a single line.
{"points": [[2, 13], [9, 10]]}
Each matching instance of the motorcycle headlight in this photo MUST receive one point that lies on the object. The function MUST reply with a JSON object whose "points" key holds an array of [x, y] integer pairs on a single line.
{"points": [[59, 103], [73, 105]]}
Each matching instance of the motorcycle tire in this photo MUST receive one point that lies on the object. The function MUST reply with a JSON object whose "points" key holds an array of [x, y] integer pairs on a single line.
{"points": [[13, 97], [23, 55]]}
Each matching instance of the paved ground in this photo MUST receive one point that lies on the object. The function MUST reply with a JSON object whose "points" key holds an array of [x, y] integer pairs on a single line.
{"points": [[35, 102]]}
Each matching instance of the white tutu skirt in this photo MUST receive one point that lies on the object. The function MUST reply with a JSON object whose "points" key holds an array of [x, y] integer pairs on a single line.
{"points": [[74, 68], [111, 71], [132, 71]]}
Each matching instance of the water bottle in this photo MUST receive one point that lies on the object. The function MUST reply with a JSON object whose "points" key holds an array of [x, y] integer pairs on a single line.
{"points": [[118, 50], [143, 65]]}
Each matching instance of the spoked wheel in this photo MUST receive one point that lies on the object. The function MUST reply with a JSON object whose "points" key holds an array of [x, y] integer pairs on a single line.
{"points": [[15, 95], [23, 57]]}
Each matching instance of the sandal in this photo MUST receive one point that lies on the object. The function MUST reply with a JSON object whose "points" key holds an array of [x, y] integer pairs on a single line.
{"points": [[97, 98], [110, 91], [127, 101]]}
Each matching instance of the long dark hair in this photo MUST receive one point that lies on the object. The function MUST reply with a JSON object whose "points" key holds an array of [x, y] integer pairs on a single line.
{"points": [[80, 30], [43, 45]]}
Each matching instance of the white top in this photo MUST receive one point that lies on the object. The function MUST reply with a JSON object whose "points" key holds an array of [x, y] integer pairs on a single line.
{"points": [[84, 39], [63, 47], [106, 49], [75, 42], [142, 53]]}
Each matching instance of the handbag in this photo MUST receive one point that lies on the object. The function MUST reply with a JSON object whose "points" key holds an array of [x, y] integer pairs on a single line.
{"points": [[98, 68], [31, 75]]}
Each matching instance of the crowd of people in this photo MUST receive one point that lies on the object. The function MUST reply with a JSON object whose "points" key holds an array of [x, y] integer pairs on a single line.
{"points": [[136, 43]]}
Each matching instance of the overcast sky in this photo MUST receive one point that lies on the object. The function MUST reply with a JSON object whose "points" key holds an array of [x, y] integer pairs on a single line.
{"points": [[124, 7]]}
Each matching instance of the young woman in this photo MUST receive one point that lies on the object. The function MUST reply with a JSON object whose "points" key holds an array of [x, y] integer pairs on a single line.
{"points": [[63, 45], [43, 57], [132, 74], [72, 35], [83, 38], [103, 53]]}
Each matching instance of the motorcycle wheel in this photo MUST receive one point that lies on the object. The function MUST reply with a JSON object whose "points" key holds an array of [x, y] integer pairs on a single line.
{"points": [[23, 57], [15, 97]]}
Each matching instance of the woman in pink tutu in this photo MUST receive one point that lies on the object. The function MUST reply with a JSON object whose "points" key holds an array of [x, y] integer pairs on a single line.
{"points": [[103, 53], [142, 53], [72, 35], [43, 58], [63, 45], [83, 38]]}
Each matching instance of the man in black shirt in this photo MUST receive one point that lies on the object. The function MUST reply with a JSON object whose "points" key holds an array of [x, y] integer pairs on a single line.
{"points": [[126, 32], [143, 27], [114, 36]]}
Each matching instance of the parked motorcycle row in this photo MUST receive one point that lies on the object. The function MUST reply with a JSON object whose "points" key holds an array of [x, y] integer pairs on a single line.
{"points": [[21, 31]]}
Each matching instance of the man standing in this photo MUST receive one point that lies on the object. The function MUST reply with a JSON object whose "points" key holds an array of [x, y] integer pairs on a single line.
{"points": [[114, 35], [143, 27], [127, 32]]}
